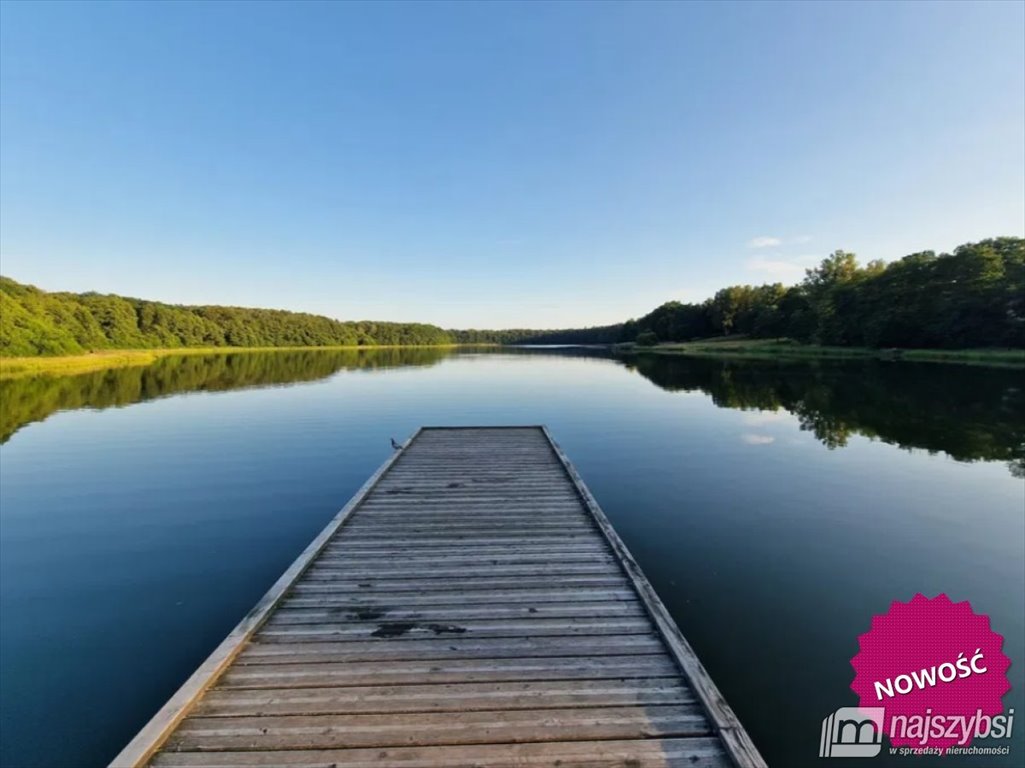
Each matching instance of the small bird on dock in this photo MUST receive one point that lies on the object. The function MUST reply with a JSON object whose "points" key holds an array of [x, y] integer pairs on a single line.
{"points": [[395, 445]]}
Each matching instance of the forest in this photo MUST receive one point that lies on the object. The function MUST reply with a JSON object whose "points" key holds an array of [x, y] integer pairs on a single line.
{"points": [[971, 298], [606, 334], [34, 322]]}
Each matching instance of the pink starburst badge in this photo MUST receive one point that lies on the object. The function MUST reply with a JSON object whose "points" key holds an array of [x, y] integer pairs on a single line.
{"points": [[939, 672]]}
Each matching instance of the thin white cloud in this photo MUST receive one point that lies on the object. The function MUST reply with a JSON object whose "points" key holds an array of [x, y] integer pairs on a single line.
{"points": [[752, 439], [759, 418], [768, 241]]}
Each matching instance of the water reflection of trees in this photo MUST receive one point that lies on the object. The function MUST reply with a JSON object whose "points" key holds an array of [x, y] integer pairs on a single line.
{"points": [[25, 400], [970, 413]]}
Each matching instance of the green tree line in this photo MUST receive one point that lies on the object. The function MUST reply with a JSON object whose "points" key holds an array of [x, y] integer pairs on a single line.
{"points": [[34, 322], [606, 334], [973, 297]]}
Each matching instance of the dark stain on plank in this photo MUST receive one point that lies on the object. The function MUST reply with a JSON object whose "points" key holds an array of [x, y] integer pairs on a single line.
{"points": [[400, 628]]}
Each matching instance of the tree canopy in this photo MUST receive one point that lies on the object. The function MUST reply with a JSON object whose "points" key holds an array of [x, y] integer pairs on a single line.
{"points": [[973, 297], [34, 322]]}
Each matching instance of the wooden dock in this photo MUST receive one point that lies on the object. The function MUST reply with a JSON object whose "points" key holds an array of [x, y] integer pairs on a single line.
{"points": [[470, 606]]}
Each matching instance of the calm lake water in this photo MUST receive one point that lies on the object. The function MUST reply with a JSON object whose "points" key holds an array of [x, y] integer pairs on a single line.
{"points": [[775, 506]]}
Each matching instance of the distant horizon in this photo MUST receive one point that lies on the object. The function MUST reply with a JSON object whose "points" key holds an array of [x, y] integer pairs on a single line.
{"points": [[497, 166], [620, 321], [274, 308]]}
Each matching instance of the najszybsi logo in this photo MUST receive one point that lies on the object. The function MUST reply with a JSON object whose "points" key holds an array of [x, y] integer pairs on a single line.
{"points": [[858, 732], [852, 732], [938, 671]]}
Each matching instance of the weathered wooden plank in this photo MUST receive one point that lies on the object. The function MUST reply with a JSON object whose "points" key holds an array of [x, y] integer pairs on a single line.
{"points": [[470, 513], [498, 495], [553, 570], [480, 479], [389, 550], [467, 508], [318, 675], [289, 614], [387, 513], [460, 464], [402, 570], [375, 585], [457, 492], [468, 460], [312, 595], [418, 633], [513, 539], [451, 697], [400, 649], [478, 515], [457, 487], [468, 560], [456, 518], [464, 490], [699, 752], [476, 627], [374, 529], [477, 481], [459, 520], [470, 541], [490, 556], [390, 581], [487, 560], [400, 545], [422, 729]]}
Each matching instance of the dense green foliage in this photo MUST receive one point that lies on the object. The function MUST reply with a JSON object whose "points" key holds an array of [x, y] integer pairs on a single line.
{"points": [[974, 297], [34, 322], [603, 334]]}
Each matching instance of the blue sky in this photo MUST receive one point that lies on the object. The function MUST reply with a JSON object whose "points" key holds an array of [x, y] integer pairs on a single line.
{"points": [[497, 165]]}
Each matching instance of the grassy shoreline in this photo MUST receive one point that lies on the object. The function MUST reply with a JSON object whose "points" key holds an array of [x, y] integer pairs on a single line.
{"points": [[775, 349], [68, 365]]}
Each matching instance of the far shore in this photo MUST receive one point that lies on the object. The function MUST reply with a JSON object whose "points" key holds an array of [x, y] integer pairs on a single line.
{"points": [[100, 360], [786, 348], [17, 367]]}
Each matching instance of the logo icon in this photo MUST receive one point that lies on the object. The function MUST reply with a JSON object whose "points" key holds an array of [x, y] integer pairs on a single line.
{"points": [[852, 732]]}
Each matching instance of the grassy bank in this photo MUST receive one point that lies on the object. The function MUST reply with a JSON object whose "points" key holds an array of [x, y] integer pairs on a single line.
{"points": [[784, 348], [16, 367]]}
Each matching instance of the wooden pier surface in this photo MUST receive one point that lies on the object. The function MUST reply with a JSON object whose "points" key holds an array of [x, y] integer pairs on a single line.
{"points": [[471, 606]]}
